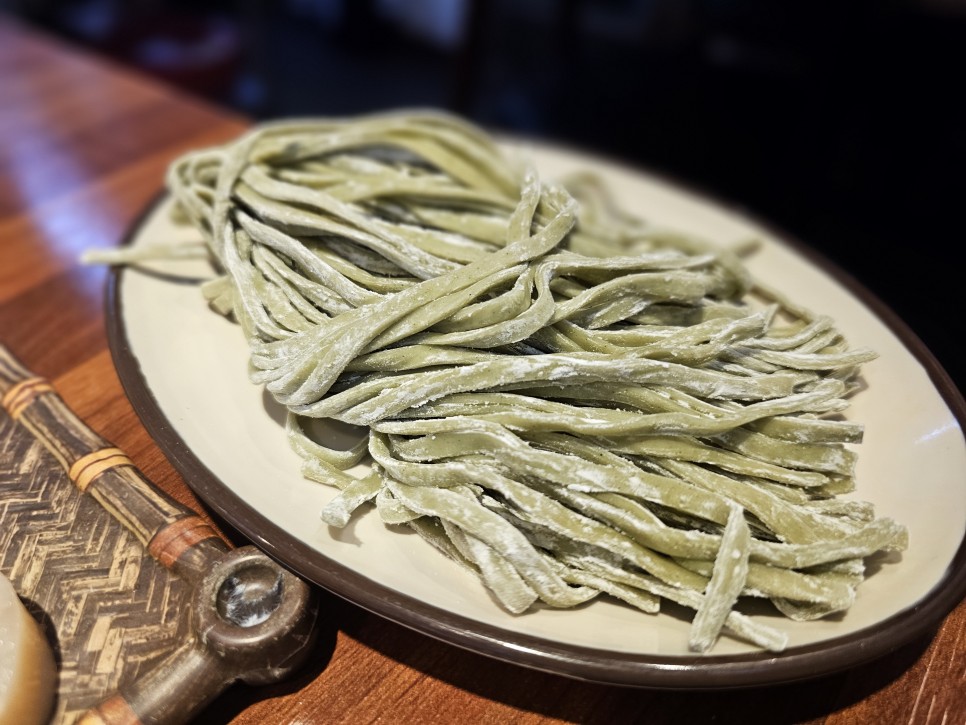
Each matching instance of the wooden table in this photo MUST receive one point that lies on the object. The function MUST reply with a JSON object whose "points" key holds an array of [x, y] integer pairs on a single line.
{"points": [[83, 147]]}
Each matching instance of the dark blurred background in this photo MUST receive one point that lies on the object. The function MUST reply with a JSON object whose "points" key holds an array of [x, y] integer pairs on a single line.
{"points": [[841, 122]]}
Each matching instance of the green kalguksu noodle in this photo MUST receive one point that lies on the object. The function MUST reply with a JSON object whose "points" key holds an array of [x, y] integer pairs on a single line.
{"points": [[563, 398]]}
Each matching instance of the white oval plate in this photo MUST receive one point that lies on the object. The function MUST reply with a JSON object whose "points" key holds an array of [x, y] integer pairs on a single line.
{"points": [[185, 370]]}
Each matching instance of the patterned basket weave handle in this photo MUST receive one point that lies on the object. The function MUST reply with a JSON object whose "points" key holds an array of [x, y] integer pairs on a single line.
{"points": [[173, 534], [257, 617]]}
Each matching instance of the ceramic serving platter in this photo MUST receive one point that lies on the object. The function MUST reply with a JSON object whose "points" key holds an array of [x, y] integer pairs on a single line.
{"points": [[185, 370]]}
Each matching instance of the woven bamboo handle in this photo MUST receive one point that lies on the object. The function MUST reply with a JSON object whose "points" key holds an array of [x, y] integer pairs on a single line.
{"points": [[173, 534], [252, 620]]}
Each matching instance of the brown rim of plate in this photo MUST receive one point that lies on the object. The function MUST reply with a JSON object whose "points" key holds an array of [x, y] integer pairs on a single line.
{"points": [[705, 672]]}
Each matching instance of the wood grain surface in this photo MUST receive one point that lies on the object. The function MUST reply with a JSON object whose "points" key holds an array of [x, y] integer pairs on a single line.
{"points": [[83, 149]]}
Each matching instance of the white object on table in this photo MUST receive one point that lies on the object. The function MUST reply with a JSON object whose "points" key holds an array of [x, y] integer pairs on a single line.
{"points": [[28, 674]]}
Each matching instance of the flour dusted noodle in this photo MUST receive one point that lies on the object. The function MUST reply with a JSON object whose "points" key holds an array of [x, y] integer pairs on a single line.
{"points": [[561, 397]]}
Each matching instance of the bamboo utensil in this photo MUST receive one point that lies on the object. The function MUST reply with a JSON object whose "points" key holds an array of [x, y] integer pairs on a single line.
{"points": [[251, 619]]}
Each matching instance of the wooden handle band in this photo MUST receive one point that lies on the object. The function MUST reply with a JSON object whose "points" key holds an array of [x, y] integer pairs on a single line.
{"points": [[170, 543], [115, 710], [91, 465], [23, 393]]}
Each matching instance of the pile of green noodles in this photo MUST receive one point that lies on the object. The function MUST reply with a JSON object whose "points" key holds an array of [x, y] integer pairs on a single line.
{"points": [[565, 399]]}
